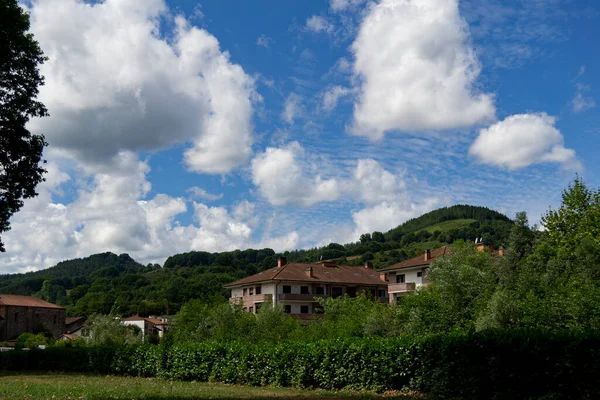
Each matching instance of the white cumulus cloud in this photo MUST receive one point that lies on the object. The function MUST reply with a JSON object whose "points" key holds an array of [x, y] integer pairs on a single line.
{"points": [[521, 140], [114, 83], [286, 176], [417, 70], [113, 213]]}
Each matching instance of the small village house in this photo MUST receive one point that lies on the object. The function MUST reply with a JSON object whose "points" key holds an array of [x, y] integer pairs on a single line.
{"points": [[148, 326], [73, 328], [26, 314], [297, 286]]}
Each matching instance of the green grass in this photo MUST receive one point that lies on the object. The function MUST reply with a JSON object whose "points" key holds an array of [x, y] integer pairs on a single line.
{"points": [[448, 225], [77, 386]]}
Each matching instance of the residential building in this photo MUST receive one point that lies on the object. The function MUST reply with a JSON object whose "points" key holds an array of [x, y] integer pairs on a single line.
{"points": [[297, 286], [148, 326], [408, 275], [26, 314]]}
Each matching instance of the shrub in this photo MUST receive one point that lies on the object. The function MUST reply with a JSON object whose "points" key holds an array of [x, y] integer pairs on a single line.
{"points": [[492, 364]]}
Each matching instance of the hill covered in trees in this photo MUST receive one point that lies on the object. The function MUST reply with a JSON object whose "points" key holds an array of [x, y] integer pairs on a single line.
{"points": [[105, 283]]}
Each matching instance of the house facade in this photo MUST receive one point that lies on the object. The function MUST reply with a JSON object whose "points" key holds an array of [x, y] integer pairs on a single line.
{"points": [[148, 326], [298, 286], [408, 275], [25, 314]]}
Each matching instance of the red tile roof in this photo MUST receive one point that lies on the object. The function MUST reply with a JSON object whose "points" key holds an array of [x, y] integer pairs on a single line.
{"points": [[25, 301], [419, 260], [320, 273]]}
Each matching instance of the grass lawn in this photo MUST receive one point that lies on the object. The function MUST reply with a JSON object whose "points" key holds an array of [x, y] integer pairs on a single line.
{"points": [[77, 386]]}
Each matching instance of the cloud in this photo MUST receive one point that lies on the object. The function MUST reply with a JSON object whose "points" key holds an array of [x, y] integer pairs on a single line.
{"points": [[111, 212], [285, 176], [264, 41], [200, 193], [581, 102], [521, 140], [292, 108], [332, 95], [417, 70], [289, 176], [115, 82], [374, 184], [318, 24], [389, 214], [342, 5]]}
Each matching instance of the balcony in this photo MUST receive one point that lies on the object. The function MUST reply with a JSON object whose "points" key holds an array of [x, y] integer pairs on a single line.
{"points": [[300, 297], [249, 300], [401, 287]]}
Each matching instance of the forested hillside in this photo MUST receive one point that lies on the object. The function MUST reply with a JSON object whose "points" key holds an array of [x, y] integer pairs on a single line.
{"points": [[105, 283]]}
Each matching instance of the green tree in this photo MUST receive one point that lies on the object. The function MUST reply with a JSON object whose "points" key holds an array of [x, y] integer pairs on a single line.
{"points": [[577, 218], [20, 79], [108, 330], [378, 237]]}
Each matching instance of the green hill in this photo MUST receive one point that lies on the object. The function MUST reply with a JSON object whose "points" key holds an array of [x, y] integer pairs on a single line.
{"points": [[104, 283]]}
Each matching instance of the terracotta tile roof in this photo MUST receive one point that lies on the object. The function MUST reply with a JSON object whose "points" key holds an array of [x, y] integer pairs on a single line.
{"points": [[419, 261], [25, 301], [320, 273]]}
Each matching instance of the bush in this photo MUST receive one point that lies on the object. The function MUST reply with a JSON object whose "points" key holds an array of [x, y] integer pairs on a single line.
{"points": [[491, 364]]}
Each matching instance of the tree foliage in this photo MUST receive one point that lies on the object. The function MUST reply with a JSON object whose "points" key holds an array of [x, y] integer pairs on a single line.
{"points": [[20, 79]]}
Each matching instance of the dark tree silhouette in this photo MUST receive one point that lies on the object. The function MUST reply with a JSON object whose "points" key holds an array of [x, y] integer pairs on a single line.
{"points": [[20, 79]]}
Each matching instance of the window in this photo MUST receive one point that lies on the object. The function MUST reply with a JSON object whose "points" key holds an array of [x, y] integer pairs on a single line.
{"points": [[304, 309], [251, 290], [287, 309], [336, 292], [244, 290], [419, 274], [400, 278], [319, 290], [351, 291], [317, 310], [287, 289], [258, 290], [381, 293], [304, 290], [251, 309]]}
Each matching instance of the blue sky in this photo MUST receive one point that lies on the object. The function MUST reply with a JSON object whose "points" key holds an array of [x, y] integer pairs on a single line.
{"points": [[183, 125]]}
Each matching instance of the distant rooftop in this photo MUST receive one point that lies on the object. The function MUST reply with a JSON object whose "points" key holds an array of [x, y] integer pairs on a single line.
{"points": [[324, 272], [25, 301]]}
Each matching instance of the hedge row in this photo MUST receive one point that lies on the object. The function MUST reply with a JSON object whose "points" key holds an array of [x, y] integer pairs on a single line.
{"points": [[503, 364]]}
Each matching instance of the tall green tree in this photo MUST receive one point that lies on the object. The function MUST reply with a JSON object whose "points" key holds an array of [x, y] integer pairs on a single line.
{"points": [[20, 79]]}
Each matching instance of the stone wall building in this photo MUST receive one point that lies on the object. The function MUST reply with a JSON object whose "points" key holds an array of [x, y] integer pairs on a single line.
{"points": [[25, 314]]}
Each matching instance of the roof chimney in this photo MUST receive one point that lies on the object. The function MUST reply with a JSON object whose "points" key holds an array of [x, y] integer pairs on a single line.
{"points": [[368, 264], [281, 261], [309, 272], [427, 256], [383, 276]]}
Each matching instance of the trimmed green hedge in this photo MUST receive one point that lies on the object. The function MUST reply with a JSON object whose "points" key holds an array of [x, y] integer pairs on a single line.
{"points": [[485, 365]]}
